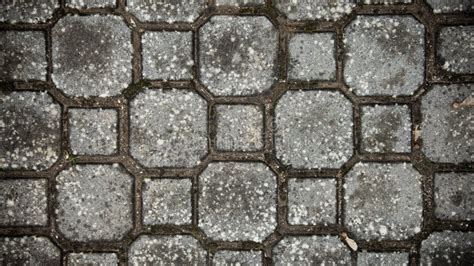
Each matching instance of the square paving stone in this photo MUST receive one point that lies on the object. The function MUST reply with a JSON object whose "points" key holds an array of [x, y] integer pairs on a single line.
{"points": [[311, 10], [450, 6], [311, 201], [386, 128], [312, 57], [455, 49], [23, 202], [27, 11], [239, 2], [167, 55], [29, 250], [168, 11], [167, 201], [93, 131], [365, 258], [90, 3], [447, 248], [454, 196], [100, 259], [244, 258], [239, 127], [22, 55], [384, 55]]}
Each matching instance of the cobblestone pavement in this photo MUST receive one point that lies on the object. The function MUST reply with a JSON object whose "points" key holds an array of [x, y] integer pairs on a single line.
{"points": [[237, 132]]}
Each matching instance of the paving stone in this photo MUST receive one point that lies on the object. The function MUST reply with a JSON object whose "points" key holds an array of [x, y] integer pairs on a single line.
{"points": [[454, 196], [167, 55], [22, 55], [168, 128], [365, 258], [23, 202], [371, 42], [93, 131], [94, 202], [101, 259], [386, 128], [243, 258], [92, 55], [313, 129], [239, 2], [311, 250], [90, 3], [167, 10], [449, 6], [455, 51], [310, 10], [166, 250], [238, 55], [239, 127], [29, 130], [383, 201], [312, 56], [27, 11], [448, 248], [446, 134], [167, 201], [385, 2], [28, 250], [237, 201], [311, 201]]}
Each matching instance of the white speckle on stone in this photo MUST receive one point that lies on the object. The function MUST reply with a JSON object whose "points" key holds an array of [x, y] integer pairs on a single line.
{"points": [[456, 49]]}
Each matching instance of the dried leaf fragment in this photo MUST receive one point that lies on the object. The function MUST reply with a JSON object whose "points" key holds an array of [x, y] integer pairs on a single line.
{"points": [[467, 102], [350, 242], [417, 132]]}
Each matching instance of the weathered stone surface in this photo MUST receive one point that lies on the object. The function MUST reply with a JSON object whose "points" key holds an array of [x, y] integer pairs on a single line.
{"points": [[90, 3], [237, 201], [237, 55], [29, 130], [310, 10], [244, 258], [239, 2], [168, 10], [313, 129], [450, 6], [168, 128], [27, 11], [454, 196], [383, 201], [28, 250], [384, 55], [448, 248], [365, 258], [94, 202], [101, 259], [454, 50]]}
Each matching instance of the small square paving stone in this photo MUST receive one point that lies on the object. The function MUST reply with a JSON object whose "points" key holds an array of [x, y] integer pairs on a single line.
{"points": [[28, 250], [94, 202], [238, 54], [166, 250], [239, 127], [311, 201], [312, 57], [310, 10], [311, 250], [383, 201], [456, 49], [386, 128], [90, 3], [454, 196], [168, 128], [92, 55], [93, 131], [166, 201], [23, 202], [450, 6], [22, 55], [167, 55], [243, 258], [168, 10], [237, 201], [365, 258], [29, 130], [100, 259], [239, 2], [446, 128], [384, 55], [313, 129], [448, 248], [27, 11]]}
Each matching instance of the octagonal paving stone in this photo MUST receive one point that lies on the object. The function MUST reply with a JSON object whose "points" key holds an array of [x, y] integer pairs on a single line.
{"points": [[238, 55], [313, 129], [90, 3], [166, 250], [28, 250], [455, 49], [239, 2], [311, 250], [316, 9], [94, 202], [237, 201], [450, 6], [244, 258], [384, 55], [27, 11], [365, 258], [91, 259], [92, 55], [383, 201], [447, 248], [447, 132], [29, 130], [166, 10], [168, 128]]}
